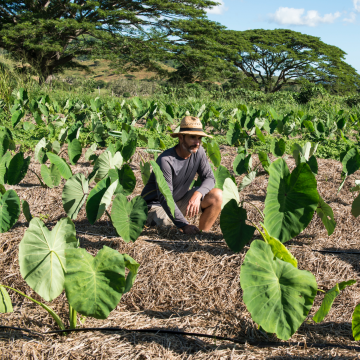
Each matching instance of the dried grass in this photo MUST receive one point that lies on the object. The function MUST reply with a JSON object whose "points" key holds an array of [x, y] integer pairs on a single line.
{"points": [[190, 283]]}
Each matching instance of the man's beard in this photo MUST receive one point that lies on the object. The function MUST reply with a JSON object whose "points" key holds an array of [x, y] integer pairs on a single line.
{"points": [[190, 149]]}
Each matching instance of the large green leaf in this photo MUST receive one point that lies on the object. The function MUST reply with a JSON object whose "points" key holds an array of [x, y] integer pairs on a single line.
{"points": [[265, 161], [129, 147], [233, 226], [355, 325], [233, 134], [105, 162], [9, 210], [99, 199], [213, 152], [129, 217], [4, 143], [242, 164], [145, 172], [16, 117], [230, 191], [260, 135], [40, 151], [351, 161], [277, 295], [126, 177], [326, 215], [26, 210], [94, 286], [277, 148], [51, 176], [247, 180], [17, 168], [61, 164], [291, 200], [4, 163], [164, 187], [90, 153], [5, 301], [74, 195], [74, 151], [329, 299], [42, 256], [221, 174]]}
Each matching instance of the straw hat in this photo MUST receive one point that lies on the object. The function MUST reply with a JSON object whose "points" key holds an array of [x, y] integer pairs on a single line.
{"points": [[191, 125]]}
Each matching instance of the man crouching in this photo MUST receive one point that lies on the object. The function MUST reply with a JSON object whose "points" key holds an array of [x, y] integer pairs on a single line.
{"points": [[179, 166]]}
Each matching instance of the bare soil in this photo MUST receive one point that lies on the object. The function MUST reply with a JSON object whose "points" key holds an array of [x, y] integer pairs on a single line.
{"points": [[188, 283]]}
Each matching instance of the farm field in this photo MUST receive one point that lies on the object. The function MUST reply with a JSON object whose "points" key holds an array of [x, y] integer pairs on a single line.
{"points": [[288, 226], [184, 283]]}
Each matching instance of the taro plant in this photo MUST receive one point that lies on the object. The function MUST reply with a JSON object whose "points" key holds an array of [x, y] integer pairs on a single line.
{"points": [[113, 179], [93, 285]]}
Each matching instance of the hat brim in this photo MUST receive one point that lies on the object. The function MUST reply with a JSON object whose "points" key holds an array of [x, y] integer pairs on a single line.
{"points": [[200, 133]]}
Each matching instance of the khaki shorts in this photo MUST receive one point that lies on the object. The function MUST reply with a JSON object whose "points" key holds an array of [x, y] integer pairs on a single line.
{"points": [[157, 215]]}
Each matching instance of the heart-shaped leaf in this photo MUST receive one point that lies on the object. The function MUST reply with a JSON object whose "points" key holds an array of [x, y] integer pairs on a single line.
{"points": [[129, 147], [16, 117], [105, 162], [233, 226], [4, 164], [44, 268], [230, 191], [213, 152], [26, 210], [291, 200], [265, 161], [61, 164], [126, 177], [145, 172], [277, 295], [9, 210], [99, 199], [94, 286], [221, 174], [277, 148], [74, 151], [51, 176], [326, 215], [74, 195], [40, 151], [129, 217], [242, 164], [17, 168]]}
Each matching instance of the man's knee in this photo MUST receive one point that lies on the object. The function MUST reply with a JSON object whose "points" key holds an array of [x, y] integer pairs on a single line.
{"points": [[216, 196]]}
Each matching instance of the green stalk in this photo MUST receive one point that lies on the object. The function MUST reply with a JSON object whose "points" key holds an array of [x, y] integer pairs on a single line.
{"points": [[48, 309], [72, 317], [259, 211]]}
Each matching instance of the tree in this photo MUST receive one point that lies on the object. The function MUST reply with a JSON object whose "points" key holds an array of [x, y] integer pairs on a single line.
{"points": [[273, 58], [195, 44], [50, 34]]}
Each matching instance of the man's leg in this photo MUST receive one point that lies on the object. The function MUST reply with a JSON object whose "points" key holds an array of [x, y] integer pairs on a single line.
{"points": [[211, 208]]}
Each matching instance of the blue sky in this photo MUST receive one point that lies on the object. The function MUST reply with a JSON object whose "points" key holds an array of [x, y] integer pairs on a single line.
{"points": [[335, 22]]}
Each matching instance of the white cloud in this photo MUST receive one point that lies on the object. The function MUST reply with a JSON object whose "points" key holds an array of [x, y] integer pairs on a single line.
{"points": [[351, 18], [292, 16], [219, 9], [356, 5]]}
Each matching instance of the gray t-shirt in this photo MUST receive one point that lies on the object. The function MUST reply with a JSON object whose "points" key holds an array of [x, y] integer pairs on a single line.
{"points": [[179, 173]]}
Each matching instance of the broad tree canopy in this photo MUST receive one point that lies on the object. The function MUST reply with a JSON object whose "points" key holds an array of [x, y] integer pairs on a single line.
{"points": [[273, 58], [49, 34]]}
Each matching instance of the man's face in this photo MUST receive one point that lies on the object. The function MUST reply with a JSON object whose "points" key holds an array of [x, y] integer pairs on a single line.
{"points": [[190, 143]]}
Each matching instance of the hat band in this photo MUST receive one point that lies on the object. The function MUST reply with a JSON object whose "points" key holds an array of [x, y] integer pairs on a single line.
{"points": [[190, 129]]}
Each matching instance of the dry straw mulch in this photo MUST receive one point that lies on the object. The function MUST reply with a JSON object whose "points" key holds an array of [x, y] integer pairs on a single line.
{"points": [[184, 283]]}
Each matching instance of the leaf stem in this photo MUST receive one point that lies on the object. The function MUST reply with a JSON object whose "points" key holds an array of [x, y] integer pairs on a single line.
{"points": [[48, 309], [259, 211], [72, 317]]}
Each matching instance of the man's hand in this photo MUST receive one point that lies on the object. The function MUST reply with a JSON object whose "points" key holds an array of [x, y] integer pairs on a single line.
{"points": [[194, 204], [190, 229]]}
